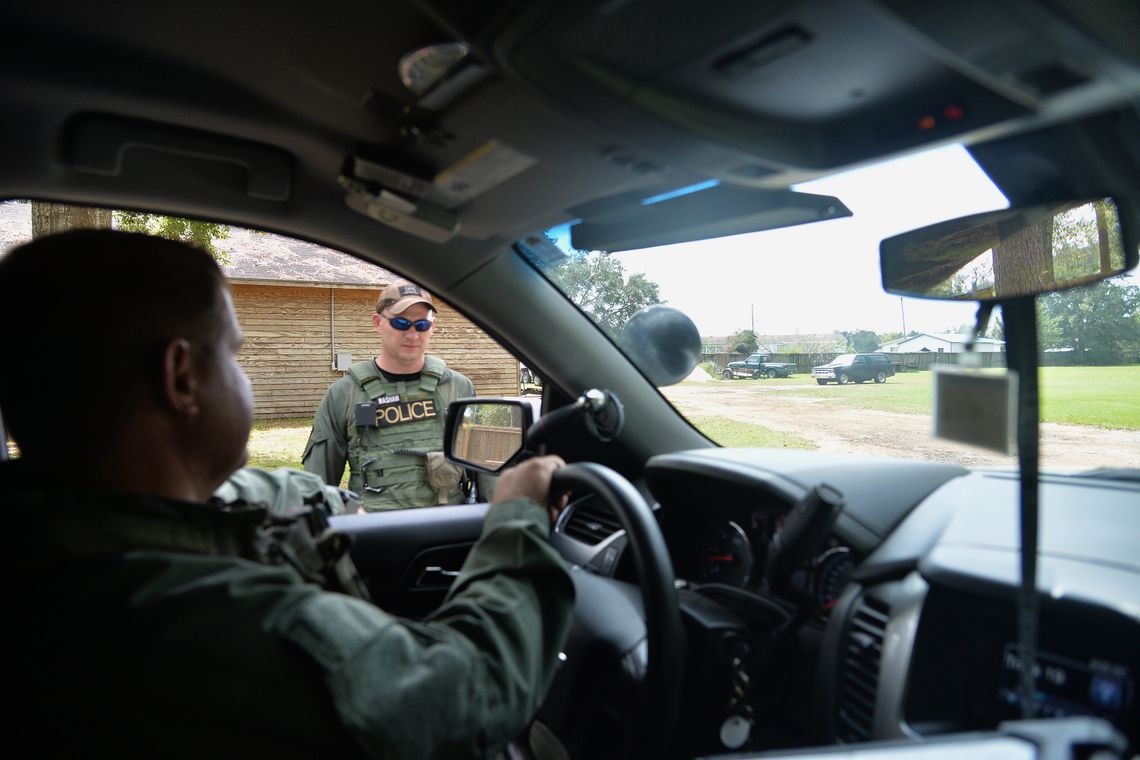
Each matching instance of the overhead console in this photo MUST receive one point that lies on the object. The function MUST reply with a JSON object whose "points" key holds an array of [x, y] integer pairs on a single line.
{"points": [[781, 91]]}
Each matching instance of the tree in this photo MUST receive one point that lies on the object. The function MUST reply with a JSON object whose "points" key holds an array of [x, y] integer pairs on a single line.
{"points": [[997, 325], [742, 342], [1048, 335], [597, 283], [887, 337], [1023, 261], [861, 341], [1084, 243], [198, 233], [1096, 321], [50, 218]]}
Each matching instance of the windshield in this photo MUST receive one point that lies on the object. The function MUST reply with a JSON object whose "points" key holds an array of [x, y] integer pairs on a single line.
{"points": [[809, 296]]}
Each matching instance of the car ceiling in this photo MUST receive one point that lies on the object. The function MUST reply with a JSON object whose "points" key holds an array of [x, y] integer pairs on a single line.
{"points": [[757, 93]]}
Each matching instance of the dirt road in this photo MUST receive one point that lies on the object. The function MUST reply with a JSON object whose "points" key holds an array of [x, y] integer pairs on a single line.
{"points": [[836, 429]]}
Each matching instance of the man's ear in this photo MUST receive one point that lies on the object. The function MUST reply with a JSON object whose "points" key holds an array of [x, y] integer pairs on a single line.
{"points": [[180, 384], [376, 321]]}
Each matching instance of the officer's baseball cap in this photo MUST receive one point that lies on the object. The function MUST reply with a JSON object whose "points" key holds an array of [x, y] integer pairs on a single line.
{"points": [[402, 294]]}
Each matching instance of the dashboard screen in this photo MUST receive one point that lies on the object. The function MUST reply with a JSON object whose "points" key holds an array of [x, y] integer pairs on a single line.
{"points": [[966, 663], [1068, 687]]}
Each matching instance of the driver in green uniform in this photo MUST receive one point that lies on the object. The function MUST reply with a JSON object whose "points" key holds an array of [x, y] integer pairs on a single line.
{"points": [[154, 621], [385, 417]]}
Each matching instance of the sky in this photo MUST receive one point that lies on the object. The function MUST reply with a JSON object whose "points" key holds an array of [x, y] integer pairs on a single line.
{"points": [[823, 277]]}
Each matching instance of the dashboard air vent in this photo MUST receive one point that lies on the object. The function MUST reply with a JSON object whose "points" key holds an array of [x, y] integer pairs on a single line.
{"points": [[859, 677], [591, 522]]}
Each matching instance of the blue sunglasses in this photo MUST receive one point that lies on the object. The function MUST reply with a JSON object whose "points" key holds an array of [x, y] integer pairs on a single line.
{"points": [[402, 324]]}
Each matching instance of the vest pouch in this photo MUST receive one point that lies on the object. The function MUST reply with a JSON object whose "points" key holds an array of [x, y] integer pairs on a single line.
{"points": [[442, 475], [365, 413]]}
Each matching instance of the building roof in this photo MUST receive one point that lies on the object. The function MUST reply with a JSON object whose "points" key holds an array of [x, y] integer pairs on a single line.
{"points": [[947, 337], [781, 339], [803, 338], [263, 257], [252, 256]]}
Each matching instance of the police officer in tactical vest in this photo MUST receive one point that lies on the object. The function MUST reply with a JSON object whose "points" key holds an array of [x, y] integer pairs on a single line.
{"points": [[385, 417]]}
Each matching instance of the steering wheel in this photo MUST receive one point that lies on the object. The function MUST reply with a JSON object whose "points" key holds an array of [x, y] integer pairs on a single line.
{"points": [[664, 636]]}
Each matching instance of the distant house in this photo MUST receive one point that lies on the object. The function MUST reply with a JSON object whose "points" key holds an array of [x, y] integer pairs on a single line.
{"points": [[948, 343], [804, 343], [780, 344], [714, 344], [306, 310]]}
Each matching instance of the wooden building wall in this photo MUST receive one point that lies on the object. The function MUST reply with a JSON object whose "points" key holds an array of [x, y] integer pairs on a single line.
{"points": [[288, 352]]}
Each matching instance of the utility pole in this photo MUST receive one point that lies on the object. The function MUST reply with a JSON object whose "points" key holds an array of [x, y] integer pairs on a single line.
{"points": [[903, 311], [753, 307]]}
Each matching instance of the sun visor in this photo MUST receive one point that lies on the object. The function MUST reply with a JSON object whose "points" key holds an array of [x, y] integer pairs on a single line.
{"points": [[629, 221]]}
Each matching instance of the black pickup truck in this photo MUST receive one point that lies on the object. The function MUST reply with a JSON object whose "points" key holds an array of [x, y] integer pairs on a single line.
{"points": [[757, 365]]}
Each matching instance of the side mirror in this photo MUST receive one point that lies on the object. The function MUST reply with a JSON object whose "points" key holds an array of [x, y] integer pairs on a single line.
{"points": [[1009, 253], [486, 434]]}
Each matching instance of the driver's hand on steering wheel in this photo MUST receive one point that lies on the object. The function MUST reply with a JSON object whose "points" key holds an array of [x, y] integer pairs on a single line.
{"points": [[531, 479]]}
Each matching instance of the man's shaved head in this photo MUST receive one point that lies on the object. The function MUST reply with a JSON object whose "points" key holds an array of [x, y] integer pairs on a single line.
{"points": [[87, 315]]}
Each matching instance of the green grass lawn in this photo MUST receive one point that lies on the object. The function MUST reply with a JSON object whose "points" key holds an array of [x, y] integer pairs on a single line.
{"points": [[1097, 396], [278, 443], [909, 393], [728, 432], [1107, 397]]}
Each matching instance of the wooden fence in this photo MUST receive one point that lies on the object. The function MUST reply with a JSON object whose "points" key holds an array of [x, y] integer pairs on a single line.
{"points": [[491, 445], [925, 360], [1107, 359]]}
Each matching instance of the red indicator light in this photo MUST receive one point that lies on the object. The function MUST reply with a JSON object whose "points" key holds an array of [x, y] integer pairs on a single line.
{"points": [[954, 113], [926, 123]]}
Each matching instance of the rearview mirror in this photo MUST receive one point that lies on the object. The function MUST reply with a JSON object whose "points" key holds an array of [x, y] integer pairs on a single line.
{"points": [[1009, 253], [486, 434]]}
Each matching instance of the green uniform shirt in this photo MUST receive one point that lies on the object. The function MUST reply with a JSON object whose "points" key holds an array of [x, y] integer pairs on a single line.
{"points": [[145, 630]]}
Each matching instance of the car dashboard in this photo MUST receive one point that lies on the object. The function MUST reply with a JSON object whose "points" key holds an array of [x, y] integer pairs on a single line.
{"points": [[901, 621]]}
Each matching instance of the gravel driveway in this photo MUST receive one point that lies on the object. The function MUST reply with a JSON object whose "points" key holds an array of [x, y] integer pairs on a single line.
{"points": [[836, 429]]}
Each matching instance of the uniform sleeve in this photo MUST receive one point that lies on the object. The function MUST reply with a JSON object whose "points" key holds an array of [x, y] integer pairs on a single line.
{"points": [[469, 678], [485, 484], [326, 451]]}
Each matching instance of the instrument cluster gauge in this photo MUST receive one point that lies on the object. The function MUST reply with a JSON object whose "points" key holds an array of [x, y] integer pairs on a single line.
{"points": [[829, 575], [726, 556]]}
